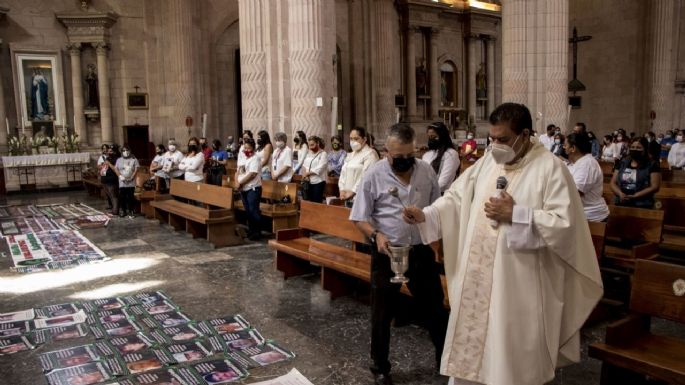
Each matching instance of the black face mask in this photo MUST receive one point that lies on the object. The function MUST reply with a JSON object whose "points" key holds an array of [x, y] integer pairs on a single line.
{"points": [[192, 148], [636, 155], [433, 144], [402, 165], [259, 142], [159, 152], [296, 140]]}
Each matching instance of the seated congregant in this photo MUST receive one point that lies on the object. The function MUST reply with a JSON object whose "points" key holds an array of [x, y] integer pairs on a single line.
{"points": [[636, 178], [587, 174]]}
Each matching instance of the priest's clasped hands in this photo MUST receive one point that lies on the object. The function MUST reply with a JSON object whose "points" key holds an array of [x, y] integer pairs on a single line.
{"points": [[499, 209]]}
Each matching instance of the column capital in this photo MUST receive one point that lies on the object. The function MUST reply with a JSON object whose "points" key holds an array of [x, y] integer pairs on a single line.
{"points": [[101, 48], [473, 36], [74, 48]]}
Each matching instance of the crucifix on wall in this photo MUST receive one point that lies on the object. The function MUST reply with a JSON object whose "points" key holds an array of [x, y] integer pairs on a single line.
{"points": [[576, 85]]}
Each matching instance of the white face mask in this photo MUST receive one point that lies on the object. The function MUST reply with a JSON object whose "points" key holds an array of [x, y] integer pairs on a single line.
{"points": [[502, 153], [356, 146], [126, 154], [469, 136], [679, 138], [172, 148], [280, 145]]}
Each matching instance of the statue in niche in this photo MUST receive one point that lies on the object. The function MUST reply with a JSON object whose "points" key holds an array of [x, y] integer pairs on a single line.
{"points": [[39, 96], [481, 82], [93, 100], [421, 79]]}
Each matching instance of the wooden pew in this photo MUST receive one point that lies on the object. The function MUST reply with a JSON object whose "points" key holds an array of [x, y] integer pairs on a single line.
{"points": [[93, 186], [283, 215], [214, 221], [642, 228], [598, 232], [295, 250], [630, 350]]}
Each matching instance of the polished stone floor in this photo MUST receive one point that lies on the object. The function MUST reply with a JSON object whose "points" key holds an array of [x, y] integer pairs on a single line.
{"points": [[329, 337]]}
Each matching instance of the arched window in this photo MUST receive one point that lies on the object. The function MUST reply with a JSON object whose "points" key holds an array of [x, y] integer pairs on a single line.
{"points": [[448, 84]]}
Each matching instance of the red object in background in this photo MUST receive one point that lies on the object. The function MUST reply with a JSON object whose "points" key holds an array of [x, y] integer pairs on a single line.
{"points": [[189, 121], [652, 115]]}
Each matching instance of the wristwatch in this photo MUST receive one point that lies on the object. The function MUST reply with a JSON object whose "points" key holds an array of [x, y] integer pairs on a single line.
{"points": [[372, 237]]}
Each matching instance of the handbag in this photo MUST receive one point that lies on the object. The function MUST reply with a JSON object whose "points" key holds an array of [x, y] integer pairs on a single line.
{"points": [[305, 188]]}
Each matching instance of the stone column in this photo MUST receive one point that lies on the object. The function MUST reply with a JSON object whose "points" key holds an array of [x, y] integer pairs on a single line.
{"points": [[411, 74], [535, 57], [472, 69], [103, 91], [662, 72], [3, 116], [434, 75], [514, 70], [310, 66], [77, 87], [253, 65], [492, 103], [385, 73], [556, 66]]}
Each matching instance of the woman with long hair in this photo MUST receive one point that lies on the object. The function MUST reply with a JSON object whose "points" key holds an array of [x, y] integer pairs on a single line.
{"points": [[264, 151], [441, 154], [636, 178], [300, 150]]}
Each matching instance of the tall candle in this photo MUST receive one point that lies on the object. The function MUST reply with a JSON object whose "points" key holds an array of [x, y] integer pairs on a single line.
{"points": [[7, 124], [204, 125]]}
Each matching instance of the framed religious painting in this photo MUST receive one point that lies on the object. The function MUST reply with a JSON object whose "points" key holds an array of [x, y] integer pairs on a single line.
{"points": [[38, 86], [137, 101]]}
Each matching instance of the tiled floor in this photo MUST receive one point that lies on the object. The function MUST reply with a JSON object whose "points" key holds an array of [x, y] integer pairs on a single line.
{"points": [[330, 337]]}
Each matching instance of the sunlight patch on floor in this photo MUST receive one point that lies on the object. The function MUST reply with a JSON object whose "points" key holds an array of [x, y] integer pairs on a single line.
{"points": [[31, 283], [115, 290]]}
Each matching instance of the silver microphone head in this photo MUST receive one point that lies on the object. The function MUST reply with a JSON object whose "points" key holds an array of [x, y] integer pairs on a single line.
{"points": [[502, 183]]}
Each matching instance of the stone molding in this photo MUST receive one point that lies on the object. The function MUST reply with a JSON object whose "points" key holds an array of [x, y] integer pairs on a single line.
{"points": [[88, 27]]}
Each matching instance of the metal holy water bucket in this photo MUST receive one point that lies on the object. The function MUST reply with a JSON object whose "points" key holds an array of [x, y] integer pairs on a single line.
{"points": [[399, 262]]}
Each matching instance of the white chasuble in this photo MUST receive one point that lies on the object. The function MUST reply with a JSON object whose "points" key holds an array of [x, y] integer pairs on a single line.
{"points": [[518, 297]]}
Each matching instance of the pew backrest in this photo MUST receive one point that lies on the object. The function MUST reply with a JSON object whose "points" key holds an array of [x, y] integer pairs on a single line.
{"points": [[275, 191], [331, 220], [635, 224], [205, 193], [658, 289], [598, 232]]}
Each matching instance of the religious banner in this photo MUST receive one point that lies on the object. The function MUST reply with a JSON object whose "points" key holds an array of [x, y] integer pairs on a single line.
{"points": [[27, 251]]}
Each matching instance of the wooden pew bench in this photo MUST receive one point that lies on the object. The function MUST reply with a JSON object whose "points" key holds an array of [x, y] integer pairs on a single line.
{"points": [[630, 350], [283, 215], [295, 250], [632, 234], [93, 186], [214, 221]]}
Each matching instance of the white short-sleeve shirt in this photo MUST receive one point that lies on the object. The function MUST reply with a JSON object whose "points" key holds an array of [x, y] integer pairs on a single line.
{"points": [[587, 174]]}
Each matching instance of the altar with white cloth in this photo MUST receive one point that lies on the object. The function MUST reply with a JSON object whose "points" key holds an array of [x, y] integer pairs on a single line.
{"points": [[46, 171]]}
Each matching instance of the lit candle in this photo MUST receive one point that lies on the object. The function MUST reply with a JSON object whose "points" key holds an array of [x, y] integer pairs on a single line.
{"points": [[204, 125]]}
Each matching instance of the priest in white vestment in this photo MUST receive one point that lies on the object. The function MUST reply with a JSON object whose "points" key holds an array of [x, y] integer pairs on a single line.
{"points": [[521, 269]]}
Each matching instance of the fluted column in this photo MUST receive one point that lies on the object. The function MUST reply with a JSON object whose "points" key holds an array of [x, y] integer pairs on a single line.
{"points": [[662, 73], [434, 75], [411, 74], [253, 65], [385, 72], [103, 90], [77, 87], [556, 66], [515, 72], [309, 67], [491, 74], [472, 43], [3, 116]]}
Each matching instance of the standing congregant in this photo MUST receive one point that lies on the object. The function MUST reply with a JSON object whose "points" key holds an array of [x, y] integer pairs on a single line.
{"points": [[521, 269], [378, 215]]}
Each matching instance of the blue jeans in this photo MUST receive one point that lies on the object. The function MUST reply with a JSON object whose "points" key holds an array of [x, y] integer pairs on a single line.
{"points": [[251, 200]]}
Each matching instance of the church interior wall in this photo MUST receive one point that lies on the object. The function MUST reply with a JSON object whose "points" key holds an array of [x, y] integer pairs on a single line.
{"points": [[611, 64]]}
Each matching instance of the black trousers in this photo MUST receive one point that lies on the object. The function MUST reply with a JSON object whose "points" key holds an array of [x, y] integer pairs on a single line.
{"points": [[424, 284], [316, 191], [126, 199]]}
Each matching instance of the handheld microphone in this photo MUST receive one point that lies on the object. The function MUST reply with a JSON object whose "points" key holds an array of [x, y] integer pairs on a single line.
{"points": [[501, 185]]}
